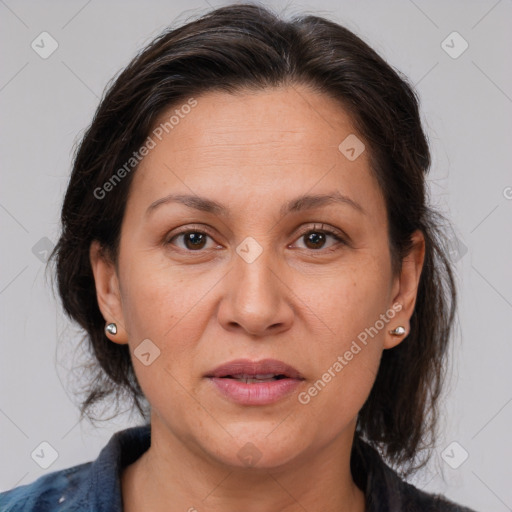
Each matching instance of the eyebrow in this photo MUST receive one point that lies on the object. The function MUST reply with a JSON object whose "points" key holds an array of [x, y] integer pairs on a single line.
{"points": [[301, 203]]}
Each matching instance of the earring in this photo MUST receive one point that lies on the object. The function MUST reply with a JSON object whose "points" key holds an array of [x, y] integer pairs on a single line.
{"points": [[111, 329], [399, 331]]}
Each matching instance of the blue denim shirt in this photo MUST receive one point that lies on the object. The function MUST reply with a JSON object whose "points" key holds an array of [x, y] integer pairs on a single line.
{"points": [[96, 486]]}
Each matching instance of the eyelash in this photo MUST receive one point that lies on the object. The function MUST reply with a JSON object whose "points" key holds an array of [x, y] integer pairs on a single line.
{"points": [[315, 229]]}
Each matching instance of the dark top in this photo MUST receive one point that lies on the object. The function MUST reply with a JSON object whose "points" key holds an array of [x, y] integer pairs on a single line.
{"points": [[96, 486]]}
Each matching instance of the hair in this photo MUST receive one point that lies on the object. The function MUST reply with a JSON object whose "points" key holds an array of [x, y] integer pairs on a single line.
{"points": [[234, 49]]}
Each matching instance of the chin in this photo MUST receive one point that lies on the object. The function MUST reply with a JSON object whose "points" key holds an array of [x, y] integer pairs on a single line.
{"points": [[262, 448]]}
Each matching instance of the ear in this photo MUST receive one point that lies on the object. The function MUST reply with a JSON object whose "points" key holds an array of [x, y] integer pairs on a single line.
{"points": [[107, 292], [405, 289]]}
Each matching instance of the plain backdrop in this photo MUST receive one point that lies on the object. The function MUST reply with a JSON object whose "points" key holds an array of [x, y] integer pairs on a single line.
{"points": [[466, 102]]}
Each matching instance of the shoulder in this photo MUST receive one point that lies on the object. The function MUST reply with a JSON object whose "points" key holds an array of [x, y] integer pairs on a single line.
{"points": [[58, 490], [386, 490], [415, 499], [89, 486]]}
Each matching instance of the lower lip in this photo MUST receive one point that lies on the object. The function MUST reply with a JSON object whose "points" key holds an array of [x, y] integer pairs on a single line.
{"points": [[255, 394]]}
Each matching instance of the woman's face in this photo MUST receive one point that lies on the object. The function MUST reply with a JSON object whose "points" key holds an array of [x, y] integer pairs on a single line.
{"points": [[262, 275]]}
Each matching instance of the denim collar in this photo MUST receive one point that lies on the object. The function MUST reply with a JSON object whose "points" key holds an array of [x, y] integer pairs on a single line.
{"points": [[382, 487], [96, 486]]}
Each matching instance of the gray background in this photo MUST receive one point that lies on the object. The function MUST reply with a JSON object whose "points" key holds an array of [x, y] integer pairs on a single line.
{"points": [[466, 106]]}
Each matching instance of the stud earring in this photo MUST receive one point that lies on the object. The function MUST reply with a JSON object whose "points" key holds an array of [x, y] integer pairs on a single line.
{"points": [[111, 329], [399, 331]]}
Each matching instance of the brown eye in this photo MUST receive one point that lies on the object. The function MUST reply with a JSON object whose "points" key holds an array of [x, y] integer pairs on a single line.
{"points": [[193, 240], [315, 239]]}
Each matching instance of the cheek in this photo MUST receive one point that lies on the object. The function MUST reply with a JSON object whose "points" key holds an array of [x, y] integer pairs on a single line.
{"points": [[159, 299], [351, 299], [346, 365], [333, 401], [168, 305], [159, 304], [353, 309]]}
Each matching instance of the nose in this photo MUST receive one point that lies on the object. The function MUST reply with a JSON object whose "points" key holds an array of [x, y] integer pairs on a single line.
{"points": [[256, 298]]}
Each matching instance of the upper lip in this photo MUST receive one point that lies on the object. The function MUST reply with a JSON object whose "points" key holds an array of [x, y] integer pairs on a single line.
{"points": [[251, 368]]}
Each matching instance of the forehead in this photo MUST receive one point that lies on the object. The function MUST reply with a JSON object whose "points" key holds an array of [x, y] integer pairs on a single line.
{"points": [[258, 143], [292, 115]]}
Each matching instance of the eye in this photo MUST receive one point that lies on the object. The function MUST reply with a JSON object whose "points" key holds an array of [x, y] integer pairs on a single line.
{"points": [[315, 237], [193, 239]]}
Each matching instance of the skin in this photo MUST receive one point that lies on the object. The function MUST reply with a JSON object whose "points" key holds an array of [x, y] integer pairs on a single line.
{"points": [[302, 302]]}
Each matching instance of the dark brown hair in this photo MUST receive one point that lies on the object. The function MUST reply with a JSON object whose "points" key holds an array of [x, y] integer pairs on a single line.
{"points": [[233, 49]]}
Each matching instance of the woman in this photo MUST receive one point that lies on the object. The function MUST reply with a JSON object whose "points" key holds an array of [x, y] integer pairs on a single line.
{"points": [[247, 243]]}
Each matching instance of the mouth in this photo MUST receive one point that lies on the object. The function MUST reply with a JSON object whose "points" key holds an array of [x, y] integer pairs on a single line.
{"points": [[248, 382], [257, 371], [255, 379]]}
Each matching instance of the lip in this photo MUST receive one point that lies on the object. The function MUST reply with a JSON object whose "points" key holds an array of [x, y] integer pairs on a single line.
{"points": [[248, 367], [260, 393]]}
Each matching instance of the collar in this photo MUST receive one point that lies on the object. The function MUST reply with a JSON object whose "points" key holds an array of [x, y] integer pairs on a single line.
{"points": [[382, 487], [100, 489], [380, 484]]}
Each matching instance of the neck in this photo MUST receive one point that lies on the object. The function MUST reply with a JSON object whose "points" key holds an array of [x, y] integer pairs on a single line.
{"points": [[172, 474]]}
